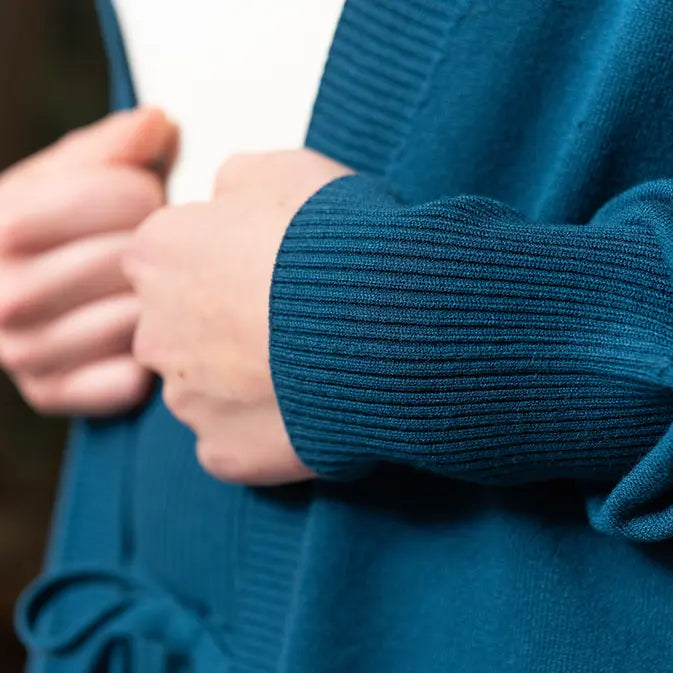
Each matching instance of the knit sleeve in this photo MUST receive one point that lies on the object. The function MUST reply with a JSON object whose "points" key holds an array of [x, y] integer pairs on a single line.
{"points": [[459, 336]]}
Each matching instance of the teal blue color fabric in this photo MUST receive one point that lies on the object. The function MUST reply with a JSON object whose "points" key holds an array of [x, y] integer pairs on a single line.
{"points": [[471, 343]]}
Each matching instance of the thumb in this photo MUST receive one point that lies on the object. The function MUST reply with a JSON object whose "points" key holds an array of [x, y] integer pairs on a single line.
{"points": [[141, 137]]}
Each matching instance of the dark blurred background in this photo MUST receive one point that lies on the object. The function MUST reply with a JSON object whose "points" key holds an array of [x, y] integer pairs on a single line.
{"points": [[52, 78]]}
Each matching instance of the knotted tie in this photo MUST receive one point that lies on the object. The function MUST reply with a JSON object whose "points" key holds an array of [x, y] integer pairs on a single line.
{"points": [[120, 619]]}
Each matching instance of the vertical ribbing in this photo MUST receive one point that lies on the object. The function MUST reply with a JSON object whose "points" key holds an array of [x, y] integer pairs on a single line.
{"points": [[373, 82], [375, 78], [461, 337], [274, 525]]}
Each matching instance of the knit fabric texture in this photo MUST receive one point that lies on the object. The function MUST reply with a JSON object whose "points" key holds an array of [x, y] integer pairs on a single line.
{"points": [[471, 341]]}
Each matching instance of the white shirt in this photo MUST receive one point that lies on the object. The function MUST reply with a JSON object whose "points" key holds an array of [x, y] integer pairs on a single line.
{"points": [[236, 75]]}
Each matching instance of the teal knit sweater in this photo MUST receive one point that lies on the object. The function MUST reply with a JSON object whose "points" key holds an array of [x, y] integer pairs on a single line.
{"points": [[471, 343]]}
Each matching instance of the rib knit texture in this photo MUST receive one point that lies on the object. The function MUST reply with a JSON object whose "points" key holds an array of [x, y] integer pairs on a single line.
{"points": [[460, 336], [418, 319], [471, 341]]}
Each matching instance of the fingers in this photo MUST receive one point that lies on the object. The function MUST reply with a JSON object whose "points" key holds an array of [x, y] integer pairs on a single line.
{"points": [[152, 140], [66, 215], [141, 137], [92, 332], [104, 388], [95, 179], [47, 285], [80, 363], [87, 203]]}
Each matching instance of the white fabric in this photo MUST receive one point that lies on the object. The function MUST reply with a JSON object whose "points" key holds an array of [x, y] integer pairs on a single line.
{"points": [[237, 75]]}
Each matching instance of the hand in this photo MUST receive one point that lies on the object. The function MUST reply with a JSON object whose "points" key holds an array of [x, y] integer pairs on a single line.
{"points": [[67, 313], [203, 274]]}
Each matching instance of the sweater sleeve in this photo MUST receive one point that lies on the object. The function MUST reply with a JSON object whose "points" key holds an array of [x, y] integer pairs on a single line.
{"points": [[460, 337]]}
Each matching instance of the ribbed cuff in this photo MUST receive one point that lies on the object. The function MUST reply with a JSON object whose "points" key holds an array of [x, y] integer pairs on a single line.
{"points": [[460, 337]]}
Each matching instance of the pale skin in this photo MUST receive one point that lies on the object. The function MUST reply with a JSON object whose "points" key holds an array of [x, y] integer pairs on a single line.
{"points": [[100, 285], [203, 274], [67, 313]]}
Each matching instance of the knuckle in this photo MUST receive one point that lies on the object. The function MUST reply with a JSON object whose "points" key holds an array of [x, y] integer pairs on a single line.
{"points": [[230, 169], [223, 176], [41, 394], [215, 461], [222, 463], [207, 458], [138, 385], [232, 161]]}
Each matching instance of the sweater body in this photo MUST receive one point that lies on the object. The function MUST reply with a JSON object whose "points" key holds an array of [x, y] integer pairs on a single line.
{"points": [[533, 536]]}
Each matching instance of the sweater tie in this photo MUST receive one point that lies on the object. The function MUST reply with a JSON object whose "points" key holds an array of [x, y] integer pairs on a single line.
{"points": [[116, 621]]}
